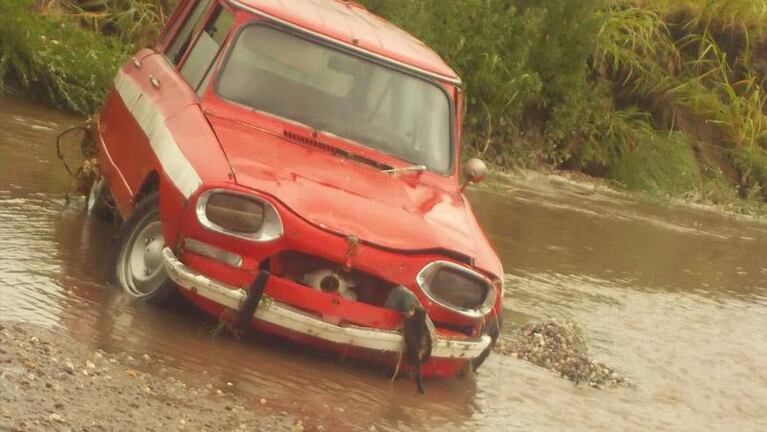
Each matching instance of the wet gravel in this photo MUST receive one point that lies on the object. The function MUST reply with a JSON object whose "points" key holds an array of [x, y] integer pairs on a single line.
{"points": [[53, 383], [560, 346]]}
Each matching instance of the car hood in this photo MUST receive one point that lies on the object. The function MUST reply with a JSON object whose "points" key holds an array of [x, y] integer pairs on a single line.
{"points": [[348, 198]]}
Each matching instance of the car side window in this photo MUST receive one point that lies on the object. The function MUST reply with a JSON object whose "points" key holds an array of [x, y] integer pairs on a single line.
{"points": [[176, 49], [198, 65]]}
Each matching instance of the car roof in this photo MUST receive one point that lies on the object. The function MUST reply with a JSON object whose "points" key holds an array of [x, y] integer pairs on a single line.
{"points": [[353, 25]]}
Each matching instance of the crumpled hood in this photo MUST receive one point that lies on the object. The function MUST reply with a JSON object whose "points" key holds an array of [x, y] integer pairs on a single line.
{"points": [[340, 195]]}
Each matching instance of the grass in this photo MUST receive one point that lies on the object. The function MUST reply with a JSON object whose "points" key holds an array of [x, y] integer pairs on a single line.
{"points": [[134, 22], [663, 164], [55, 59]]}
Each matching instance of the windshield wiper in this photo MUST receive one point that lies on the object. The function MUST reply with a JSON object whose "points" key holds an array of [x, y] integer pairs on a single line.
{"points": [[418, 168]]}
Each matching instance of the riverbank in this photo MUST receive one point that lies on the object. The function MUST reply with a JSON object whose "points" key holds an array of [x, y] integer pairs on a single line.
{"points": [[581, 183], [50, 382]]}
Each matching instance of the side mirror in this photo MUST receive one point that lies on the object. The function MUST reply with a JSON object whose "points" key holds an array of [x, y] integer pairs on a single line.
{"points": [[475, 171]]}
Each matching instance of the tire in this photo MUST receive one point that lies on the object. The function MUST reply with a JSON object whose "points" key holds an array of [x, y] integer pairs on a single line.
{"points": [[99, 201], [137, 266], [494, 331]]}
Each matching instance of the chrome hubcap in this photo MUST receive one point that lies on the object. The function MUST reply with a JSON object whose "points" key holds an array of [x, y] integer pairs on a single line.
{"points": [[141, 268]]}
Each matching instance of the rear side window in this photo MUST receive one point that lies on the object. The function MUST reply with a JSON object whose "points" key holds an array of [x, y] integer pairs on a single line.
{"points": [[180, 43], [198, 65]]}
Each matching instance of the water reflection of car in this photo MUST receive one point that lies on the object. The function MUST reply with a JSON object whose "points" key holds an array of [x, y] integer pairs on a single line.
{"points": [[293, 167]]}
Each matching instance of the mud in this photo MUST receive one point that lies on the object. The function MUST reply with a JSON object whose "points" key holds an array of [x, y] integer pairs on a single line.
{"points": [[50, 383]]}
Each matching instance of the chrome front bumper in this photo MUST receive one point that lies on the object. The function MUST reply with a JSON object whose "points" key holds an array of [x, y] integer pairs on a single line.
{"points": [[284, 316]]}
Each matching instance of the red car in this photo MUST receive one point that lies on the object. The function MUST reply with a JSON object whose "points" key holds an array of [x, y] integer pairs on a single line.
{"points": [[292, 167]]}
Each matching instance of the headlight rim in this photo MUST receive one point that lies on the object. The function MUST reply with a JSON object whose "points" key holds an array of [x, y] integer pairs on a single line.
{"points": [[271, 229], [427, 274]]}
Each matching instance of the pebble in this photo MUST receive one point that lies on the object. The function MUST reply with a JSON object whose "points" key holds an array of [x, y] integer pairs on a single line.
{"points": [[41, 378], [146, 357], [560, 346], [263, 401]]}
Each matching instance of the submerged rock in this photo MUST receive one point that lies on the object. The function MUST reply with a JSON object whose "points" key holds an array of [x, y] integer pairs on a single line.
{"points": [[559, 346]]}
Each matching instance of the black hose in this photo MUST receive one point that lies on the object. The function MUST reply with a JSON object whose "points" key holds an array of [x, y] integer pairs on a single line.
{"points": [[58, 147]]}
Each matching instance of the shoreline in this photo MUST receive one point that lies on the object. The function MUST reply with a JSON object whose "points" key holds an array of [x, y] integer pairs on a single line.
{"points": [[50, 383], [741, 210]]}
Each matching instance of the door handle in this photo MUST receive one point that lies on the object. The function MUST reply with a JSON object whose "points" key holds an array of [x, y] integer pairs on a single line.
{"points": [[154, 81], [137, 63]]}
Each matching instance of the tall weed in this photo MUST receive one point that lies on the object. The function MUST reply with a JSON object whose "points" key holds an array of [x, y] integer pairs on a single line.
{"points": [[55, 59], [135, 22]]}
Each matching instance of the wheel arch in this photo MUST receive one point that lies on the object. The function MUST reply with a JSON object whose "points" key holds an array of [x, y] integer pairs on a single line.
{"points": [[150, 184]]}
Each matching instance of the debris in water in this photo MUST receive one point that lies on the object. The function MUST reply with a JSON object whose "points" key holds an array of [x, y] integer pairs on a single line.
{"points": [[88, 170], [86, 174], [560, 346]]}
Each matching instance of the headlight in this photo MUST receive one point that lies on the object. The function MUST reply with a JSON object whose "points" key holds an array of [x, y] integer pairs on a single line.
{"points": [[239, 215], [457, 288]]}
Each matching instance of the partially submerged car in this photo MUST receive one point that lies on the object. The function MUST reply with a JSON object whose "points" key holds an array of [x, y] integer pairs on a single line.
{"points": [[292, 167]]}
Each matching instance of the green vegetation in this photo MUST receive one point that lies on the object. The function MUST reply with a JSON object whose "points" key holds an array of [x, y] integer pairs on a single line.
{"points": [[657, 95], [54, 58], [66, 53], [660, 96]]}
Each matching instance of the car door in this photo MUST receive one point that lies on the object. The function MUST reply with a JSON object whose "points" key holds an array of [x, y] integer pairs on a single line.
{"points": [[177, 81], [158, 83]]}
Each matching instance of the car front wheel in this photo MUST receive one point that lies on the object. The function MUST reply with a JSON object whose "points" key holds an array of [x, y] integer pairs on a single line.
{"points": [[138, 264]]}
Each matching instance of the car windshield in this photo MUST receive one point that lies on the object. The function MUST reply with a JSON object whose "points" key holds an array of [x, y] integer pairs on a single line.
{"points": [[333, 91]]}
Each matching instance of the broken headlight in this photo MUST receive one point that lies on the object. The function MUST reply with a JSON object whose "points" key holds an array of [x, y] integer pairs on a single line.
{"points": [[458, 288], [239, 215]]}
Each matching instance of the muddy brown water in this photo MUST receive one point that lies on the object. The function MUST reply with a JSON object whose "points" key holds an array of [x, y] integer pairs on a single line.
{"points": [[674, 298]]}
